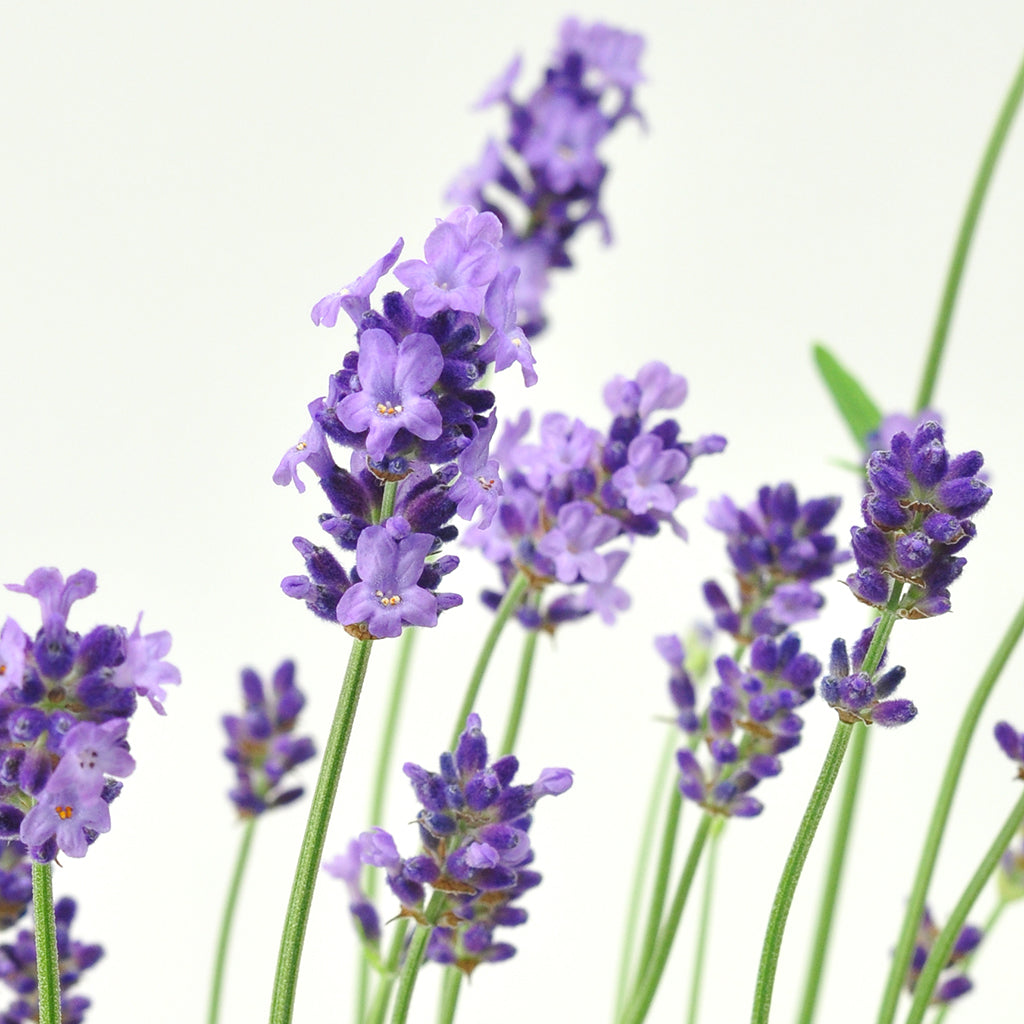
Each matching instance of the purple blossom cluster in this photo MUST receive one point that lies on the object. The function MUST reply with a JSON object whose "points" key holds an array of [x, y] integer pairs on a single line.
{"points": [[954, 983], [860, 697], [261, 744], [750, 721], [65, 703], [918, 516], [568, 496], [409, 406], [474, 827], [778, 547], [18, 970], [544, 182]]}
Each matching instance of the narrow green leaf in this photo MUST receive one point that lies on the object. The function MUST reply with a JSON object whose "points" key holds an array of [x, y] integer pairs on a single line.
{"points": [[856, 407]]}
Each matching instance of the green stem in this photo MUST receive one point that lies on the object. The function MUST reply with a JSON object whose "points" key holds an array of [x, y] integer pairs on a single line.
{"points": [[791, 872], [385, 752], [964, 963], [414, 958], [704, 928], [450, 988], [642, 997], [47, 961], [939, 955], [283, 999], [227, 920], [509, 603], [662, 779], [381, 998], [852, 772], [515, 714], [963, 242], [940, 814]]}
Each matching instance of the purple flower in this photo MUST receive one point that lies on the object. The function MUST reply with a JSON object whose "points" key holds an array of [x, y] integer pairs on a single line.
{"points": [[649, 479], [478, 484], [70, 810], [144, 669], [395, 378], [508, 343], [56, 596], [571, 544], [355, 297], [387, 595], [12, 655], [311, 449], [90, 751]]}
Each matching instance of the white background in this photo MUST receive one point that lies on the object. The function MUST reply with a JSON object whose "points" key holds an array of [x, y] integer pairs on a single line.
{"points": [[181, 182]]}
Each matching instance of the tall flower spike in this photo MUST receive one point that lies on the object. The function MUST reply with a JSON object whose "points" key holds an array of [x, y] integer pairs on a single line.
{"points": [[65, 704], [475, 848]]}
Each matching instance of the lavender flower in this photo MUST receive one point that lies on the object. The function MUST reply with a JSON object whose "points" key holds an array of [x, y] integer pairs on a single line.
{"points": [[18, 970], [1011, 743], [65, 702], [919, 514], [347, 867], [544, 183], [575, 491], [473, 826], [261, 742], [858, 697], [953, 984]]}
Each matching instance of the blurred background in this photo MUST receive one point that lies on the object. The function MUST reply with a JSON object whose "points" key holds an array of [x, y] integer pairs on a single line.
{"points": [[182, 182]]}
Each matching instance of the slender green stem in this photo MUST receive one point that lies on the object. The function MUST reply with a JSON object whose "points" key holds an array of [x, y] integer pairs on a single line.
{"points": [[791, 872], [643, 995], [387, 501], [852, 772], [509, 603], [385, 752], [940, 815], [659, 886], [964, 963], [662, 779], [223, 939], [704, 927], [47, 961], [979, 190], [308, 867], [381, 998], [450, 988], [939, 955], [515, 714], [414, 958]]}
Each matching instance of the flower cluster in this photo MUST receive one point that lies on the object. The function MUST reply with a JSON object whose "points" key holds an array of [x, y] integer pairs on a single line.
{"points": [[261, 744], [545, 182], [751, 720], [918, 515], [18, 970], [858, 696], [778, 548], [574, 491], [65, 702], [955, 983], [474, 826], [408, 405]]}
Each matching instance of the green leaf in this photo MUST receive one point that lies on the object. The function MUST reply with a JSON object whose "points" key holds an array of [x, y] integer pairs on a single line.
{"points": [[855, 406]]}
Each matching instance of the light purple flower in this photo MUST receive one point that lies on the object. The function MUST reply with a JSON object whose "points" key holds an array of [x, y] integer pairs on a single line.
{"points": [[12, 655], [56, 596], [68, 809], [507, 343], [552, 782], [648, 480], [395, 379], [461, 261], [144, 668], [570, 545], [377, 848], [90, 751], [312, 449], [614, 54], [478, 485], [354, 298], [387, 595], [606, 597]]}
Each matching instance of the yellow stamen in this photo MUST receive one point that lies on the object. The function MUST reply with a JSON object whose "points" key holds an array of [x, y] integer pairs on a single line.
{"points": [[387, 409], [64, 812]]}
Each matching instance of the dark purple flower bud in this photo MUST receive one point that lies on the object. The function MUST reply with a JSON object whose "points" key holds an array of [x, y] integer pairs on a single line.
{"points": [[471, 751], [890, 713]]}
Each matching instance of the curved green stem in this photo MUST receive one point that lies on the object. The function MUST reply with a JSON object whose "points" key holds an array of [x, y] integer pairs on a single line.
{"points": [[385, 751], [852, 772], [791, 872], [381, 998], [450, 988], [414, 959], [640, 1001], [704, 927], [224, 937], [940, 814], [297, 915], [515, 714], [939, 955], [47, 960], [662, 779], [979, 190], [509, 603]]}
